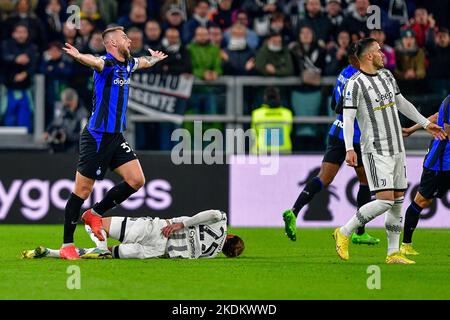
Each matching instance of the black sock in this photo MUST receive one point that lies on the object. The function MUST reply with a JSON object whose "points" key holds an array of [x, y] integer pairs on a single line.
{"points": [[118, 194], [362, 198], [412, 217], [71, 215], [310, 190]]}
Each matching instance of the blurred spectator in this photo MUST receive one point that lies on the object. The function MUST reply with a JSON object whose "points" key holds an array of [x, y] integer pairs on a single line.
{"points": [[337, 56], [186, 6], [274, 59], [199, 18], [272, 122], [335, 16], [152, 34], [137, 42], [89, 10], [71, 36], [239, 58], [215, 36], [178, 60], [356, 20], [420, 25], [206, 63], [19, 56], [252, 37], [95, 45], [409, 57], [317, 21], [398, 11], [222, 17], [54, 20], [438, 48], [388, 51], [108, 10], [279, 25], [64, 132], [309, 58], [86, 29], [57, 69], [136, 18], [173, 18], [260, 12], [24, 15]]}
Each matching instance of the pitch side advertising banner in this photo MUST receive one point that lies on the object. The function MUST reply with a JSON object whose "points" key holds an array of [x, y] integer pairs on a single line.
{"points": [[258, 200], [34, 188]]}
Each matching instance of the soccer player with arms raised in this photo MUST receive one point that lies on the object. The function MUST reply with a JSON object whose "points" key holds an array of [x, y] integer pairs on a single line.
{"points": [[102, 144], [372, 97]]}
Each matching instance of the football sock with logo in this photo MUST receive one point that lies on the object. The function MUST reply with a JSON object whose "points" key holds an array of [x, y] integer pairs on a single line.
{"points": [[393, 224], [71, 215], [310, 190], [116, 195], [362, 198], [366, 213], [412, 217]]}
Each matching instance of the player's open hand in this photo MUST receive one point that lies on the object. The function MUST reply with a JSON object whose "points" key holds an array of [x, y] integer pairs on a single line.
{"points": [[436, 131], [171, 228], [157, 54], [351, 158], [71, 50]]}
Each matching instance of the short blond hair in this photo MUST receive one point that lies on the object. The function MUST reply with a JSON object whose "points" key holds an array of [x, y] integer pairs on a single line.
{"points": [[112, 29]]}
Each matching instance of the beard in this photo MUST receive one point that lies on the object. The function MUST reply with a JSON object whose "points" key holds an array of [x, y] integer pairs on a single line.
{"points": [[125, 53]]}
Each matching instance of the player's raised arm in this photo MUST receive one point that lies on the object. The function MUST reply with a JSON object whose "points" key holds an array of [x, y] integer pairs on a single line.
{"points": [[86, 59], [149, 61]]}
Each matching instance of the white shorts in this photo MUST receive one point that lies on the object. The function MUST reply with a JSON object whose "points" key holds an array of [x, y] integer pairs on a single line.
{"points": [[385, 172], [139, 237]]}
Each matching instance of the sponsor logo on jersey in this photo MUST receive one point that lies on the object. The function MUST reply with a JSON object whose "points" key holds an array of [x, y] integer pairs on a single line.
{"points": [[386, 96], [122, 82], [192, 241]]}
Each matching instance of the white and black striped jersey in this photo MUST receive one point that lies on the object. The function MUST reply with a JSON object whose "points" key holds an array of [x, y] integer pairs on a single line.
{"points": [[200, 241], [374, 98]]}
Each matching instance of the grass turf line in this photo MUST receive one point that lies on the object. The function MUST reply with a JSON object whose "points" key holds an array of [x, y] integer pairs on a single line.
{"points": [[272, 267]]}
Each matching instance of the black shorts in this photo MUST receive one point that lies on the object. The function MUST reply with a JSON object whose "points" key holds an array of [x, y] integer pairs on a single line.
{"points": [[434, 184], [336, 151], [100, 151]]}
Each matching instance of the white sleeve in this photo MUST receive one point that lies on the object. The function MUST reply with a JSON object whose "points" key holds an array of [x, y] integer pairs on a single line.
{"points": [[349, 116], [208, 216], [408, 109], [351, 102]]}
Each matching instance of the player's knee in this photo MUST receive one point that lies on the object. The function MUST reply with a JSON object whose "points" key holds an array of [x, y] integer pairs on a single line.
{"points": [[84, 191], [387, 204], [136, 182]]}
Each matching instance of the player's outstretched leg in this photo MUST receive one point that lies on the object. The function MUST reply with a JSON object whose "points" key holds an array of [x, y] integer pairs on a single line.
{"points": [[360, 236], [39, 252], [326, 175]]}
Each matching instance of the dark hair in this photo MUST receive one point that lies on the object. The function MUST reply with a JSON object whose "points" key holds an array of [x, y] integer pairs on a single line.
{"points": [[352, 58], [362, 45], [271, 94], [233, 246]]}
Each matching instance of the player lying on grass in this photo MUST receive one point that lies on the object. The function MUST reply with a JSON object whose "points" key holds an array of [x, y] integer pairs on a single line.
{"points": [[435, 180], [201, 236]]}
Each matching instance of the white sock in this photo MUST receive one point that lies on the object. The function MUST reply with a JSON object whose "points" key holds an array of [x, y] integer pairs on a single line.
{"points": [[366, 213], [53, 253], [393, 223], [100, 244]]}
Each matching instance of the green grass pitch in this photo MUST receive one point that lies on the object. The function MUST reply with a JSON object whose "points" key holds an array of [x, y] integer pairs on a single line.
{"points": [[272, 267]]}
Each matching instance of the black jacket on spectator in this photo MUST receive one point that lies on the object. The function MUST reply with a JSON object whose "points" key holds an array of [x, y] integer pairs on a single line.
{"points": [[235, 66], [355, 24], [333, 66], [177, 62], [320, 24], [36, 29], [223, 19], [439, 58], [10, 50]]}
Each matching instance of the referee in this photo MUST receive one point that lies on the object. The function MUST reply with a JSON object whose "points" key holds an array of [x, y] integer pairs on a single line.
{"points": [[102, 144]]}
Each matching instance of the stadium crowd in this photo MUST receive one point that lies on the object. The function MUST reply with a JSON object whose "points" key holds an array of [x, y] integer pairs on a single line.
{"points": [[304, 38]]}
